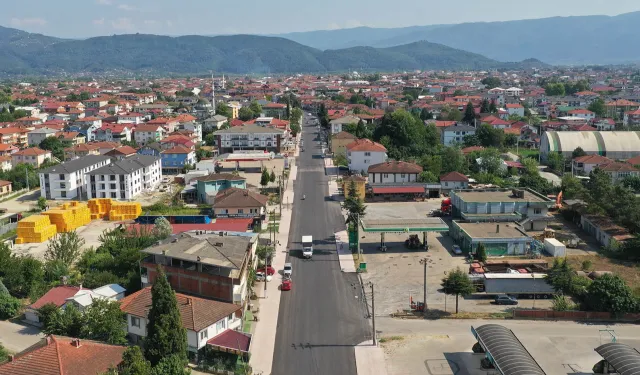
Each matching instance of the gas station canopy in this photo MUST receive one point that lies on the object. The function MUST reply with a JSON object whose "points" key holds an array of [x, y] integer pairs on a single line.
{"points": [[430, 224]]}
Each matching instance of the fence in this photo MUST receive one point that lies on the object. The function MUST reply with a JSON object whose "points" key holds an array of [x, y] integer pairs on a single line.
{"points": [[572, 315], [7, 228]]}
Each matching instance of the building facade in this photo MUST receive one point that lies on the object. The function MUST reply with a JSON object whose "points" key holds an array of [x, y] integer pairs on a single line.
{"points": [[68, 180], [125, 179]]}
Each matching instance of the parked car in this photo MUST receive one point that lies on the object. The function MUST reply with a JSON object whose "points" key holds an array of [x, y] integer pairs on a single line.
{"points": [[270, 271], [505, 300], [457, 250], [260, 276], [288, 270]]}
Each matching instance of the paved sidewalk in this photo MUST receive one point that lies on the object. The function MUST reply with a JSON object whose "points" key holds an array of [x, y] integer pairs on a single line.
{"points": [[344, 254], [264, 336], [370, 359]]}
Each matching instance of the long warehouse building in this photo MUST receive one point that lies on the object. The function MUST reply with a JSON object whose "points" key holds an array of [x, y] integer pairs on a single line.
{"points": [[612, 144]]}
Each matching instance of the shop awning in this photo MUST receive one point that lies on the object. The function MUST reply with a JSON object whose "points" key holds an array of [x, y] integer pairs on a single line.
{"points": [[231, 341], [399, 190]]}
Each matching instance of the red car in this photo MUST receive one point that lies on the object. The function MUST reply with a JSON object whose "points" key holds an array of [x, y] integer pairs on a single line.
{"points": [[270, 270], [286, 285]]}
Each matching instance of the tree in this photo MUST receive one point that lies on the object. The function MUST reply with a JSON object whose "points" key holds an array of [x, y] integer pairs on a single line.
{"points": [[457, 283], [23, 275], [491, 82], [295, 129], [295, 116], [554, 89], [165, 334], [134, 363], [171, 365], [470, 140], [42, 203], [610, 293], [162, 228], [598, 107], [427, 176], [245, 114], [354, 206], [490, 136], [264, 178], [3, 289], [458, 92], [510, 140], [255, 108], [481, 253], [9, 306], [64, 247], [425, 114], [469, 114], [105, 321], [578, 152], [272, 176], [484, 106], [4, 355], [265, 253], [68, 322], [453, 160], [453, 115], [572, 188], [223, 109], [492, 107], [54, 145], [555, 161]]}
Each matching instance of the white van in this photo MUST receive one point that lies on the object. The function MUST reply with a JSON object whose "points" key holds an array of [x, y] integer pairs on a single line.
{"points": [[307, 246]]}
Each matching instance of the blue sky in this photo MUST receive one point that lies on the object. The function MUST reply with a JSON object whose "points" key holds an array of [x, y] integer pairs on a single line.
{"points": [[86, 18]]}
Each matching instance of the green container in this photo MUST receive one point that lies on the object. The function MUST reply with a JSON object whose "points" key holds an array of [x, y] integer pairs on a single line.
{"points": [[363, 266]]}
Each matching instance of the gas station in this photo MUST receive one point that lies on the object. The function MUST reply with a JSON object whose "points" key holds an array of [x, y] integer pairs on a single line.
{"points": [[409, 226]]}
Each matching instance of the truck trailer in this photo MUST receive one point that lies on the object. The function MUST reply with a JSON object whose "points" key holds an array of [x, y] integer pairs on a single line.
{"points": [[307, 246], [521, 285]]}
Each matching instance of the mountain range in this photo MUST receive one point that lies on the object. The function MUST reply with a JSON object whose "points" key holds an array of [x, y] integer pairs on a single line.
{"points": [[23, 53], [557, 40]]}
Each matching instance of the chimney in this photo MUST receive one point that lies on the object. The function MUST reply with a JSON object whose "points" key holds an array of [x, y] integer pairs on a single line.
{"points": [[189, 301], [76, 343], [11, 357], [48, 340], [497, 228]]}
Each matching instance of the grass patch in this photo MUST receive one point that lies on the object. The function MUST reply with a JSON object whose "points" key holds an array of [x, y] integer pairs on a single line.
{"points": [[8, 235], [629, 271], [163, 209], [248, 321], [390, 338]]}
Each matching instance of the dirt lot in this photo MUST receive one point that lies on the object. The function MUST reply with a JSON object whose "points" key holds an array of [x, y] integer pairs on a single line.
{"points": [[252, 170], [90, 233], [629, 271], [398, 275]]}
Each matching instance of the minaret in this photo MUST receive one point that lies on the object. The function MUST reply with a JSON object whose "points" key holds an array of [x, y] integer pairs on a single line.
{"points": [[213, 94], [223, 82]]}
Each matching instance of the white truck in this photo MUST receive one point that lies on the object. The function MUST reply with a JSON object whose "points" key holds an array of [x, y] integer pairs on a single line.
{"points": [[307, 246]]}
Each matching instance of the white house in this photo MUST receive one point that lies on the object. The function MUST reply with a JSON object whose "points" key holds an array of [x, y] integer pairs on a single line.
{"points": [[363, 153], [582, 113], [68, 180], [455, 133], [337, 124], [393, 172], [587, 163], [514, 92], [36, 136], [130, 118], [454, 180], [203, 319], [148, 133], [515, 109], [194, 127], [214, 122], [126, 178]]}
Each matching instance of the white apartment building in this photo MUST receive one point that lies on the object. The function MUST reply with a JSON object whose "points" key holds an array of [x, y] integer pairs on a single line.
{"points": [[68, 180], [125, 179], [146, 133], [250, 137], [194, 127], [455, 134], [363, 153]]}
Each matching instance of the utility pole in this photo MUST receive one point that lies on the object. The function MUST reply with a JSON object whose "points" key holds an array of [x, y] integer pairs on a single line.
{"points": [[373, 314], [26, 176], [423, 261]]}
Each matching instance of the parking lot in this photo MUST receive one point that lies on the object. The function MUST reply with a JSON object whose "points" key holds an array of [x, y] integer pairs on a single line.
{"points": [[398, 275], [443, 347], [91, 234]]}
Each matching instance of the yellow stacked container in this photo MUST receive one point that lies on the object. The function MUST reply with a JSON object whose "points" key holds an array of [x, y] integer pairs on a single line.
{"points": [[99, 207], [36, 228], [69, 216], [125, 211]]}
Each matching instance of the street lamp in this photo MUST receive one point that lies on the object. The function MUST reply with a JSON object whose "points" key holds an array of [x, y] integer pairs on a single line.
{"points": [[423, 261]]}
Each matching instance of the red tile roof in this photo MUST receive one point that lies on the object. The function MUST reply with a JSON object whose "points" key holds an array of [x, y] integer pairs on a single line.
{"points": [[58, 296], [454, 176], [395, 166], [57, 355], [634, 161], [618, 167], [593, 159], [232, 340], [179, 149], [399, 190], [196, 313], [32, 151], [366, 145]]}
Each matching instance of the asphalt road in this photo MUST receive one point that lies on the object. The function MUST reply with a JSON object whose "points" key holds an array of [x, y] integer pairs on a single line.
{"points": [[323, 316]]}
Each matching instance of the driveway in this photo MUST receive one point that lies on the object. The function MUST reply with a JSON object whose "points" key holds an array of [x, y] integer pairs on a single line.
{"points": [[16, 337]]}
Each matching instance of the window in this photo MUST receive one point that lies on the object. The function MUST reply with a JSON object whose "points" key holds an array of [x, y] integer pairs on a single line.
{"points": [[114, 195], [401, 175], [61, 177], [204, 335], [135, 322], [367, 154], [537, 211], [366, 161], [63, 194], [231, 317], [385, 175]]}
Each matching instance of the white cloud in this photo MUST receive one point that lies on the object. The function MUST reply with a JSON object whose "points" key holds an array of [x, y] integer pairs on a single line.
{"points": [[98, 22], [150, 22], [28, 22], [104, 2], [126, 7], [122, 24], [353, 23]]}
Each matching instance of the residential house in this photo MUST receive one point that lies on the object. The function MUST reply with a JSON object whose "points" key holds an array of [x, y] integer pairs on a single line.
{"points": [[453, 181], [95, 103], [125, 179], [583, 165], [214, 122], [360, 185], [5, 187], [5, 163], [363, 153], [338, 124], [455, 134], [64, 356], [604, 124], [193, 127], [515, 109], [70, 139], [176, 159], [14, 136], [250, 137], [174, 140], [582, 113], [68, 180], [29, 121], [393, 172], [81, 150], [619, 171], [209, 186], [113, 133], [205, 320], [36, 136], [203, 264], [57, 296], [153, 149], [631, 117], [121, 153], [168, 123], [234, 202], [144, 134], [524, 206], [277, 110], [339, 142], [7, 150], [87, 127], [130, 118], [34, 156]]}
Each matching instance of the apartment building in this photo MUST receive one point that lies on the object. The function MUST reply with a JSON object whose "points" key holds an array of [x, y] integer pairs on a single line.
{"points": [[250, 137], [34, 156], [68, 180], [144, 133], [126, 178]]}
